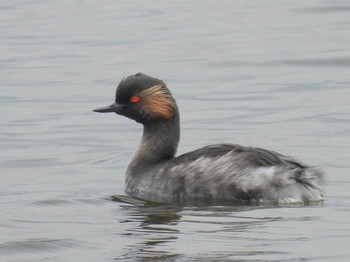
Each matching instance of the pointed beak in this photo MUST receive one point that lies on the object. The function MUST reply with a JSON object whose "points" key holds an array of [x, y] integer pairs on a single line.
{"points": [[112, 108]]}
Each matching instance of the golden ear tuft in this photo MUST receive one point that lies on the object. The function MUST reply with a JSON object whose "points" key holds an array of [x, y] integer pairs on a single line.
{"points": [[157, 101]]}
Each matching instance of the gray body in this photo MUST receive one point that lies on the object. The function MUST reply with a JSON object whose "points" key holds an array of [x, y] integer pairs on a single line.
{"points": [[223, 172]]}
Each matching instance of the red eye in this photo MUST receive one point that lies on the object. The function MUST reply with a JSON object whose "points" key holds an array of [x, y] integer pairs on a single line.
{"points": [[134, 99]]}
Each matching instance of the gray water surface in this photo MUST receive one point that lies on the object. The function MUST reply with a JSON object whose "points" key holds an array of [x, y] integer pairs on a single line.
{"points": [[271, 74]]}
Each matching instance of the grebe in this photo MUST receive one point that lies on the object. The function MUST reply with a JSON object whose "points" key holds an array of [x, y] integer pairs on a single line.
{"points": [[222, 172]]}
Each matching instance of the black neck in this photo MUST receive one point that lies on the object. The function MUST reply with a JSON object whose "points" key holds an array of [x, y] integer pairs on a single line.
{"points": [[159, 142]]}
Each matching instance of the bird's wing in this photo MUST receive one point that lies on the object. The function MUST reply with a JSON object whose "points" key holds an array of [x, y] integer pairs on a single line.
{"points": [[248, 155]]}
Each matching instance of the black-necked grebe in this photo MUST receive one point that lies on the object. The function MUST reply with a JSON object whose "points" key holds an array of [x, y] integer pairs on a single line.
{"points": [[222, 172]]}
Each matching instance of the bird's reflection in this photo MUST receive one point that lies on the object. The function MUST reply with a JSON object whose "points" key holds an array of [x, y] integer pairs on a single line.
{"points": [[154, 229], [153, 225]]}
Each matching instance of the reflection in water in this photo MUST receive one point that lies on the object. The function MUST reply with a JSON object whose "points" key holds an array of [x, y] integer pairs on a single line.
{"points": [[159, 230], [155, 228]]}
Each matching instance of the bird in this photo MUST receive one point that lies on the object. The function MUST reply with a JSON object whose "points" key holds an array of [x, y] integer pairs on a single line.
{"points": [[227, 173]]}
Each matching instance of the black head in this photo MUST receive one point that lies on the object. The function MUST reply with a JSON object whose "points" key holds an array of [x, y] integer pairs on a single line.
{"points": [[144, 99]]}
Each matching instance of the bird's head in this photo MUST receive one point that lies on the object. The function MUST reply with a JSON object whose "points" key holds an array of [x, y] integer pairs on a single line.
{"points": [[144, 99]]}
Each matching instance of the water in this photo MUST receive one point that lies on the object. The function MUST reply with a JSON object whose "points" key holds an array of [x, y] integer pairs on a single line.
{"points": [[272, 74]]}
